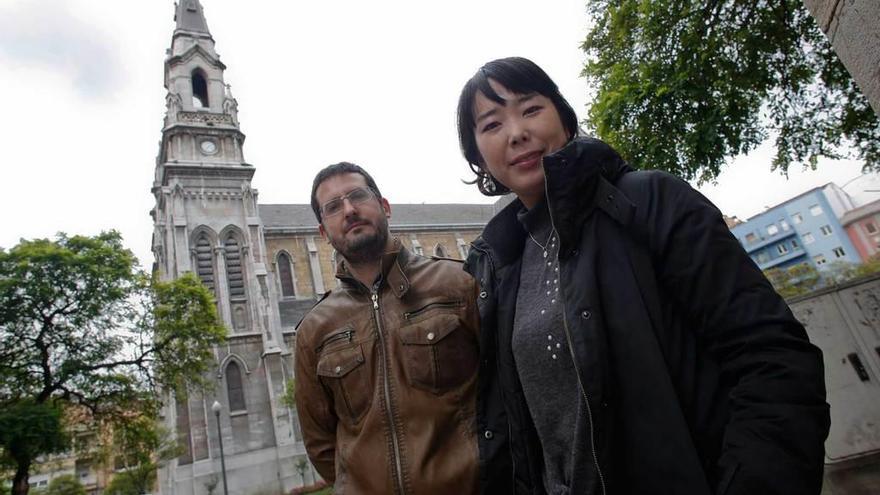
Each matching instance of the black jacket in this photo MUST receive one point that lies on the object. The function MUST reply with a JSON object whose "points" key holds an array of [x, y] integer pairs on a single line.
{"points": [[698, 377]]}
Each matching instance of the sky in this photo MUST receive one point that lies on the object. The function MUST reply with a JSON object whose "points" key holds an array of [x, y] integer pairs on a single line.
{"points": [[375, 83]]}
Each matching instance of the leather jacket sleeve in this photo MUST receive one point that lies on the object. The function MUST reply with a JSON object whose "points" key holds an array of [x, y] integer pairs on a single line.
{"points": [[315, 414], [774, 440]]}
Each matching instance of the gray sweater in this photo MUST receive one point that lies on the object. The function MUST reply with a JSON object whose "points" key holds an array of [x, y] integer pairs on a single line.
{"points": [[544, 363]]}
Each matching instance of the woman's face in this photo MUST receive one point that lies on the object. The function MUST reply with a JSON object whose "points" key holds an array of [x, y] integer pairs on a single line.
{"points": [[514, 136]]}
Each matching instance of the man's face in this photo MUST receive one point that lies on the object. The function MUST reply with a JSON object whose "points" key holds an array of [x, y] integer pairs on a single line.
{"points": [[358, 231]]}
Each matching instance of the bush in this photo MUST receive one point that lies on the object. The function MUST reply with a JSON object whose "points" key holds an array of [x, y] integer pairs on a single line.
{"points": [[65, 485]]}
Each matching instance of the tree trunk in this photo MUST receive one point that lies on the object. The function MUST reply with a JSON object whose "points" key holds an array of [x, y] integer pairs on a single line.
{"points": [[20, 484]]}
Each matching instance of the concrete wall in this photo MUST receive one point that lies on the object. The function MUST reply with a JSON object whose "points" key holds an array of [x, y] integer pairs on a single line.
{"points": [[854, 31], [844, 322]]}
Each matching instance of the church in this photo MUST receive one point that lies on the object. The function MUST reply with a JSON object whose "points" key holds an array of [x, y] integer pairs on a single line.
{"points": [[266, 264]]}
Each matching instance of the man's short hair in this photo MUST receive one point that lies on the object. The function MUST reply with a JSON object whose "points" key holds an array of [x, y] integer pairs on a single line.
{"points": [[339, 169]]}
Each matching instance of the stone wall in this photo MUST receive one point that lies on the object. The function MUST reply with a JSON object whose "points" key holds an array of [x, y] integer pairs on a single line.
{"points": [[853, 26]]}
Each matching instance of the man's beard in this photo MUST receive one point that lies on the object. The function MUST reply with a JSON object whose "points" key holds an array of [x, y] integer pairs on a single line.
{"points": [[365, 248]]}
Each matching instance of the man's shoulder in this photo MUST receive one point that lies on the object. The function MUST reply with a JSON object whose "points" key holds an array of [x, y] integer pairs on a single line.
{"points": [[324, 314]]}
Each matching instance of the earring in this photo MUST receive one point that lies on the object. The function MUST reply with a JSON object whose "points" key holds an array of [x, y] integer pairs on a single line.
{"points": [[490, 184]]}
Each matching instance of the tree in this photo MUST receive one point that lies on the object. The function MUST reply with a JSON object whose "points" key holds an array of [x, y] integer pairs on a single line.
{"points": [[795, 280], [82, 329], [684, 84], [139, 446], [65, 485]]}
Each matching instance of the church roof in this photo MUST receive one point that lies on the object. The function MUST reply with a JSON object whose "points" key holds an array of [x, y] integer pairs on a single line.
{"points": [[300, 216], [190, 17]]}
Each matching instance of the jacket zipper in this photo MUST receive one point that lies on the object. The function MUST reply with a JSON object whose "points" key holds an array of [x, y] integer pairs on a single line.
{"points": [[387, 391], [449, 304], [348, 334], [571, 349]]}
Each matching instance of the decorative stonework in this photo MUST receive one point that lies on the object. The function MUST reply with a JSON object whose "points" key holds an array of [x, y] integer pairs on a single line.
{"points": [[204, 118]]}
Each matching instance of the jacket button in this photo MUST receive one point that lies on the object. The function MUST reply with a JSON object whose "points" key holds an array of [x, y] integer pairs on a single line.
{"points": [[430, 335], [586, 314], [338, 370], [489, 435], [610, 198], [483, 294]]}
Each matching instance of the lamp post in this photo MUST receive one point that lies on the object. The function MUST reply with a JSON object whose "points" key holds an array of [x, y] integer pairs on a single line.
{"points": [[216, 408]]}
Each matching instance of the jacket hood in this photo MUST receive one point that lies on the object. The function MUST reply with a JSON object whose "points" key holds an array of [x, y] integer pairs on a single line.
{"points": [[572, 178]]}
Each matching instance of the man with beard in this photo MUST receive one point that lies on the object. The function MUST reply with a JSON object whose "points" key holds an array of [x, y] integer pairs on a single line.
{"points": [[386, 364]]}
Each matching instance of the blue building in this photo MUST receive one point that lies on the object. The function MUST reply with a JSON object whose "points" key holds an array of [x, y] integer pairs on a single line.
{"points": [[804, 229]]}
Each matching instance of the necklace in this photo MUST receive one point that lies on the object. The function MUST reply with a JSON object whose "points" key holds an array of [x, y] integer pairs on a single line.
{"points": [[547, 243]]}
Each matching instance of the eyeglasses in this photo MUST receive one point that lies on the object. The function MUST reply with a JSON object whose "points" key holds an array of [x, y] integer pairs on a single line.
{"points": [[355, 197]]}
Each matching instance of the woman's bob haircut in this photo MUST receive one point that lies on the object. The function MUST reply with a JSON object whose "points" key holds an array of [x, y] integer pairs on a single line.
{"points": [[521, 76]]}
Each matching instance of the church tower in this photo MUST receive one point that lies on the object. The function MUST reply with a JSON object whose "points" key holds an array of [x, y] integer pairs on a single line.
{"points": [[206, 221]]}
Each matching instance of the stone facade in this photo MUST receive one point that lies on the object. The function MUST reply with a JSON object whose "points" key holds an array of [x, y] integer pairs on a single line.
{"points": [[852, 28], [266, 264]]}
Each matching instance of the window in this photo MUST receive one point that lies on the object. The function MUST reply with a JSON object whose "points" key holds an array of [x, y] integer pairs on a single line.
{"points": [[233, 267], [285, 273], [797, 218], [815, 210], [819, 259], [808, 238], [234, 389], [838, 252], [772, 229], [199, 89], [440, 251], [205, 261], [826, 230], [870, 227], [763, 257], [794, 244], [784, 225], [782, 249], [751, 237]]}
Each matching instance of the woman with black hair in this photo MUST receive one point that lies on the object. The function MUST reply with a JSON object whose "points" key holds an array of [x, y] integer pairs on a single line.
{"points": [[628, 343]]}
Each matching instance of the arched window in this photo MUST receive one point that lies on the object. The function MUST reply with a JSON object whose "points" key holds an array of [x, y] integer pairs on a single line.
{"points": [[285, 273], [234, 388], [199, 89], [440, 251], [205, 261], [233, 267]]}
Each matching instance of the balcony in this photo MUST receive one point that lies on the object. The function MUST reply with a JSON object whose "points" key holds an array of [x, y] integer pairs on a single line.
{"points": [[761, 242], [791, 255]]}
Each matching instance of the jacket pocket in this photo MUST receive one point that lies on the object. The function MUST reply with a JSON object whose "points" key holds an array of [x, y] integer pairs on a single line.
{"points": [[344, 371], [438, 352]]}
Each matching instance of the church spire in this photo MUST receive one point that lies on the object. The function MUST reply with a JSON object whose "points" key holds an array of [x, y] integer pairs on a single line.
{"points": [[190, 17]]}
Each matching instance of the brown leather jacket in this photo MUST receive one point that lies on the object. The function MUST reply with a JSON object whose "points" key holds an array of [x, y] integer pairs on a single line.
{"points": [[386, 380]]}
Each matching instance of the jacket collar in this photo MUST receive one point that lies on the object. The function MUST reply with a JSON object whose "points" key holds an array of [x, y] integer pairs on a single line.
{"points": [[391, 268], [578, 179]]}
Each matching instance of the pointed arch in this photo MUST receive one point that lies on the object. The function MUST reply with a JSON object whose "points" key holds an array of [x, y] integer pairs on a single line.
{"points": [[203, 241], [234, 386], [440, 251], [286, 273], [232, 248], [199, 83]]}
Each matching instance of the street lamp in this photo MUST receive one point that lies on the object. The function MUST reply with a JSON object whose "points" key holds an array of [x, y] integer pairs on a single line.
{"points": [[216, 408]]}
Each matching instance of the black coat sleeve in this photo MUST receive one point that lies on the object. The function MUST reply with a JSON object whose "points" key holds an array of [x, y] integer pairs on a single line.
{"points": [[773, 442]]}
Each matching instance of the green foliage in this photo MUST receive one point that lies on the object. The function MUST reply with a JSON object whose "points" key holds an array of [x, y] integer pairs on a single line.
{"points": [[186, 327], [28, 429], [134, 481], [684, 84], [289, 397], [65, 485], [795, 280], [81, 327]]}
